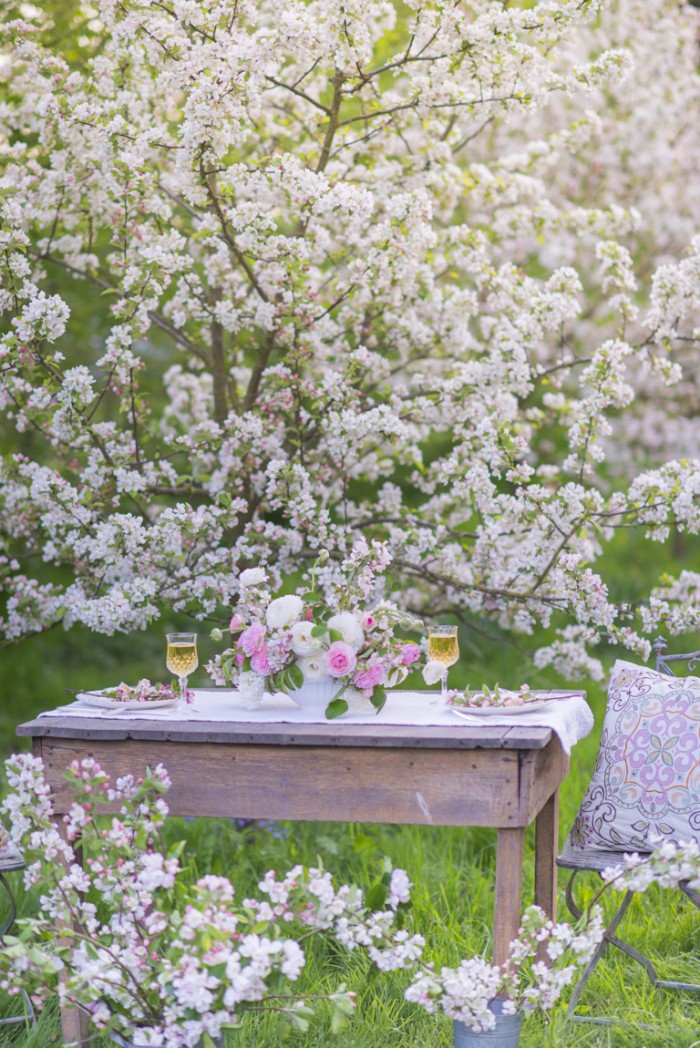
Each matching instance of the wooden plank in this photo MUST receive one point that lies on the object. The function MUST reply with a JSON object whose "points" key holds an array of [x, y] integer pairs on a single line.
{"points": [[546, 849], [542, 772], [459, 737], [74, 1022], [421, 786], [509, 883]]}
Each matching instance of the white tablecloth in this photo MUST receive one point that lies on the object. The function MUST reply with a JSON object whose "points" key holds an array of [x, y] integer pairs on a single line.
{"points": [[569, 717]]}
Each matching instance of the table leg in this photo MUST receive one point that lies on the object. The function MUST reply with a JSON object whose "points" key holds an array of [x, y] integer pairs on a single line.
{"points": [[74, 1022], [546, 848], [509, 887]]}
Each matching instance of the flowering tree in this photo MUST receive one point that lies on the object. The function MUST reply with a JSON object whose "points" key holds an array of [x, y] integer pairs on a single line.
{"points": [[427, 277]]}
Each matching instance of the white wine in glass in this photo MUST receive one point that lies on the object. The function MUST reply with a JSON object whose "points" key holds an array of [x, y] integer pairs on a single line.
{"points": [[181, 658], [443, 646]]}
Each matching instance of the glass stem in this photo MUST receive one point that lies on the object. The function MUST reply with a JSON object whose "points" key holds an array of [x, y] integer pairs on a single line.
{"points": [[443, 695], [183, 689]]}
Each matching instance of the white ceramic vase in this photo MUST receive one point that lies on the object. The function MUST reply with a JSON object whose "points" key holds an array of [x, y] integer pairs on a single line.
{"points": [[251, 687], [314, 696]]}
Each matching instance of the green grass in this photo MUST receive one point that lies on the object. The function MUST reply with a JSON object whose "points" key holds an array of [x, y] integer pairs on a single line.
{"points": [[453, 873]]}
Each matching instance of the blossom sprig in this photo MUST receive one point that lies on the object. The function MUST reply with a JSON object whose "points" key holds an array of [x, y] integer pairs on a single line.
{"points": [[544, 958], [151, 957]]}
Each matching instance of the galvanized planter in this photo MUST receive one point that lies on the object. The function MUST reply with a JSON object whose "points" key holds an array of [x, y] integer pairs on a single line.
{"points": [[506, 1033]]}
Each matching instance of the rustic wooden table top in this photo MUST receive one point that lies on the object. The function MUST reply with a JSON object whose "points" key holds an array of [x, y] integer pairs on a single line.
{"points": [[461, 736]]}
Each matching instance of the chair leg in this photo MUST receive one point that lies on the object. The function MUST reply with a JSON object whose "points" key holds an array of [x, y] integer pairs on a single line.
{"points": [[609, 937]]}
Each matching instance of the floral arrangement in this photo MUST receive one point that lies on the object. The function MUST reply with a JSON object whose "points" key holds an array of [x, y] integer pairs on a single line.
{"points": [[545, 956], [492, 697], [155, 959], [296, 639]]}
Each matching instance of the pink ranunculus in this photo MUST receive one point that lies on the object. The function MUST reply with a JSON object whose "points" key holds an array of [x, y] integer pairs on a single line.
{"points": [[260, 662], [409, 654], [236, 622], [340, 660], [369, 678], [252, 638]]}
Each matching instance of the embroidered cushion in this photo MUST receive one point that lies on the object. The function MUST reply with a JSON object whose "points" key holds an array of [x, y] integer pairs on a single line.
{"points": [[646, 783]]}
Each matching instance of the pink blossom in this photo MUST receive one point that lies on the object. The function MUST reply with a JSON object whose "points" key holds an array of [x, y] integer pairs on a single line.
{"points": [[252, 639], [369, 621], [409, 654], [369, 678], [236, 622], [340, 660], [259, 660]]}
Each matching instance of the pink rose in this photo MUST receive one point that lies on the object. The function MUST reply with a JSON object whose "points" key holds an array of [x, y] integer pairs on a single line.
{"points": [[409, 654], [236, 622], [260, 662], [368, 679], [339, 660], [252, 638]]}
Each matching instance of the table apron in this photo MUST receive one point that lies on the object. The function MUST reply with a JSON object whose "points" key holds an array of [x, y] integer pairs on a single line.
{"points": [[447, 787]]}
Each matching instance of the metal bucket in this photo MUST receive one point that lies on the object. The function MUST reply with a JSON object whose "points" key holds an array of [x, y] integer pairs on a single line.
{"points": [[506, 1033]]}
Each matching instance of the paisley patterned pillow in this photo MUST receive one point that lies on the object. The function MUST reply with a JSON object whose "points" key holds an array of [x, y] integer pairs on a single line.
{"points": [[646, 783]]}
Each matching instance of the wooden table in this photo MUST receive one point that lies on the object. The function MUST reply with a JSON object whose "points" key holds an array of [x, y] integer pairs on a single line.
{"points": [[464, 775]]}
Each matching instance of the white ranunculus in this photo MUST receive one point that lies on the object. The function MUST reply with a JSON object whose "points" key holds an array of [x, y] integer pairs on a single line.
{"points": [[252, 577], [351, 630], [312, 668], [433, 671], [283, 611], [302, 641]]}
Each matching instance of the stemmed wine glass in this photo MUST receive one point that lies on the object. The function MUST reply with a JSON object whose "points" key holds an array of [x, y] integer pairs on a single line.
{"points": [[443, 646], [181, 658]]}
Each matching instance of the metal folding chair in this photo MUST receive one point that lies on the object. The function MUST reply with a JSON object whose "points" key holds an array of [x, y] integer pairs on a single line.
{"points": [[597, 860], [11, 861]]}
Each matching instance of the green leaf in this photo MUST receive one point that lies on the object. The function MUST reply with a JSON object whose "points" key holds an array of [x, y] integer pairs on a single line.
{"points": [[319, 630], [378, 697], [335, 634], [339, 1022], [376, 896], [295, 675], [336, 708]]}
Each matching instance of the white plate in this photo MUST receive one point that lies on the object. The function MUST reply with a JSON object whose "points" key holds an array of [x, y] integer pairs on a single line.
{"points": [[105, 702], [496, 711]]}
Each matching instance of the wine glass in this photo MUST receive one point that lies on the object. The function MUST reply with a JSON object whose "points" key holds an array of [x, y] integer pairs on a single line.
{"points": [[443, 646], [181, 658]]}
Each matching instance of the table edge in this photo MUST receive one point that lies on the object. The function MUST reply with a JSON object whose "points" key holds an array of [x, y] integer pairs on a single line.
{"points": [[531, 737]]}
